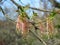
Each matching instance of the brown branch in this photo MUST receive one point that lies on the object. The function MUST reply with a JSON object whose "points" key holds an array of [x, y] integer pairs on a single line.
{"points": [[43, 10], [41, 40], [29, 7], [55, 3], [2, 10]]}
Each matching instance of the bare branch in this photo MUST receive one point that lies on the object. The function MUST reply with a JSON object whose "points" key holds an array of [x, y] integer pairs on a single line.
{"points": [[43, 10], [2, 10], [29, 30], [55, 3], [40, 39], [29, 7]]}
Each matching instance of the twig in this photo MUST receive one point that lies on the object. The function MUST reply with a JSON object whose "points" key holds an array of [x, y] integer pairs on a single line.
{"points": [[40, 39], [29, 7], [43, 10], [2, 10]]}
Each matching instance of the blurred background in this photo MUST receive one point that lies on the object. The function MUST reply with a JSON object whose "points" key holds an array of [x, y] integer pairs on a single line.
{"points": [[7, 28]]}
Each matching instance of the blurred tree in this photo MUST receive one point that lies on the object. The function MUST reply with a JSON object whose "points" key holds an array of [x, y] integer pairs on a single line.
{"points": [[55, 3]]}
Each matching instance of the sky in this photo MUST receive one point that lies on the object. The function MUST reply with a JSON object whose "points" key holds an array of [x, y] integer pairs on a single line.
{"points": [[58, 1], [11, 8]]}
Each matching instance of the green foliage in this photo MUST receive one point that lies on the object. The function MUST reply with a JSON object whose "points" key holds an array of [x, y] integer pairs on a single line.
{"points": [[57, 26], [22, 12], [34, 16], [52, 15], [26, 7]]}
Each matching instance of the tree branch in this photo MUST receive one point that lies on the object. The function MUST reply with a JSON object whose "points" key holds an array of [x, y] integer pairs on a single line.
{"points": [[2, 10], [29, 7], [43, 10], [41, 40], [55, 3]]}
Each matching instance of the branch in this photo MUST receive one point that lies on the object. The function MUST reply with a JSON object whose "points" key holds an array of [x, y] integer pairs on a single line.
{"points": [[29, 7], [2, 10], [55, 3], [41, 40], [57, 11]]}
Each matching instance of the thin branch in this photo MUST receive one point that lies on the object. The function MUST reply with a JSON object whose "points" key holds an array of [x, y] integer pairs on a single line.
{"points": [[2, 10], [41, 40], [39, 9], [55, 3], [43, 10], [29, 7]]}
